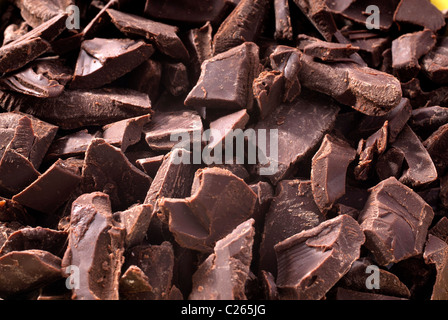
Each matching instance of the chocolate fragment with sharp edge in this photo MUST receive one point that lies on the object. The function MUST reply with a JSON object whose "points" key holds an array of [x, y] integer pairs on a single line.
{"points": [[162, 35], [134, 285], [325, 51], [23, 271], [14, 31], [440, 229], [200, 220], [8, 228], [436, 252], [150, 165], [96, 245], [223, 275], [107, 169], [70, 145], [58, 182], [200, 48], [311, 262], [390, 164], [268, 91], [226, 79], [329, 170], [436, 145], [146, 78], [126, 132], [269, 286], [301, 127], [395, 221], [435, 63], [420, 13], [37, 12], [13, 211], [136, 221], [243, 24], [292, 210], [79, 108], [283, 26], [224, 127], [37, 238], [424, 121], [175, 78]]}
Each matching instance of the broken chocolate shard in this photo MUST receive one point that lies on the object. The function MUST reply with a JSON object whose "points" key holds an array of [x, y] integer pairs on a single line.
{"points": [[162, 35], [283, 26], [419, 13], [58, 182], [223, 275], [436, 252], [14, 31], [107, 169], [136, 221], [292, 210], [37, 12], [23, 271], [390, 164], [71, 145], [440, 229], [147, 78], [367, 90], [79, 108], [126, 132], [436, 147], [395, 221], [324, 50], [134, 285], [150, 165], [268, 91], [424, 121], [38, 238], [95, 246], [200, 220], [242, 25], [226, 79], [435, 63], [200, 48], [175, 78], [329, 170], [102, 61], [165, 129], [223, 128], [12, 211], [407, 50], [311, 262]]}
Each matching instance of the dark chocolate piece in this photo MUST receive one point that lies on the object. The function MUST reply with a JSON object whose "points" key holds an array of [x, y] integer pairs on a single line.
{"points": [[243, 24], [292, 210], [102, 61], [78, 108], [134, 285], [13, 211], [301, 127], [390, 164], [287, 60], [226, 79], [367, 90], [126, 132], [421, 169], [436, 145], [435, 63], [14, 31], [23, 271], [440, 229], [269, 286], [324, 50], [200, 48], [175, 78], [407, 50], [51, 189], [436, 252], [165, 129], [107, 169], [329, 170], [163, 36], [136, 221], [96, 245], [223, 128], [268, 91], [71, 145], [311, 262], [147, 78], [37, 12], [424, 121], [150, 165], [420, 13], [223, 275], [37, 238], [395, 221], [8, 228], [283, 26], [198, 221], [374, 51]]}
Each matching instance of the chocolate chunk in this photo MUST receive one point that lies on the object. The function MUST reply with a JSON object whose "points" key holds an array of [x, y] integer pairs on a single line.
{"points": [[390, 164], [329, 170], [101, 61], [8, 228], [435, 63], [395, 221], [223, 128], [150, 165], [37, 12], [374, 51], [347, 294], [325, 51], [268, 91], [292, 210], [287, 60], [269, 286], [58, 182], [223, 275], [175, 78], [12, 211], [440, 229], [226, 79], [146, 78], [126, 132], [53, 69], [424, 121], [417, 158], [200, 48], [198, 221], [367, 90], [134, 285], [37, 238], [369, 150], [301, 127], [23, 271], [319, 15], [163, 36], [420, 13], [436, 251], [407, 50], [157, 264], [95, 246], [311, 262], [14, 31], [78, 108], [71, 145], [165, 128], [107, 169], [136, 221], [243, 24], [435, 97], [283, 26], [436, 146]]}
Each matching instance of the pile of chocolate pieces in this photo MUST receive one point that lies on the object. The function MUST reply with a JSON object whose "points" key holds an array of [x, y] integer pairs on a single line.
{"points": [[95, 203]]}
